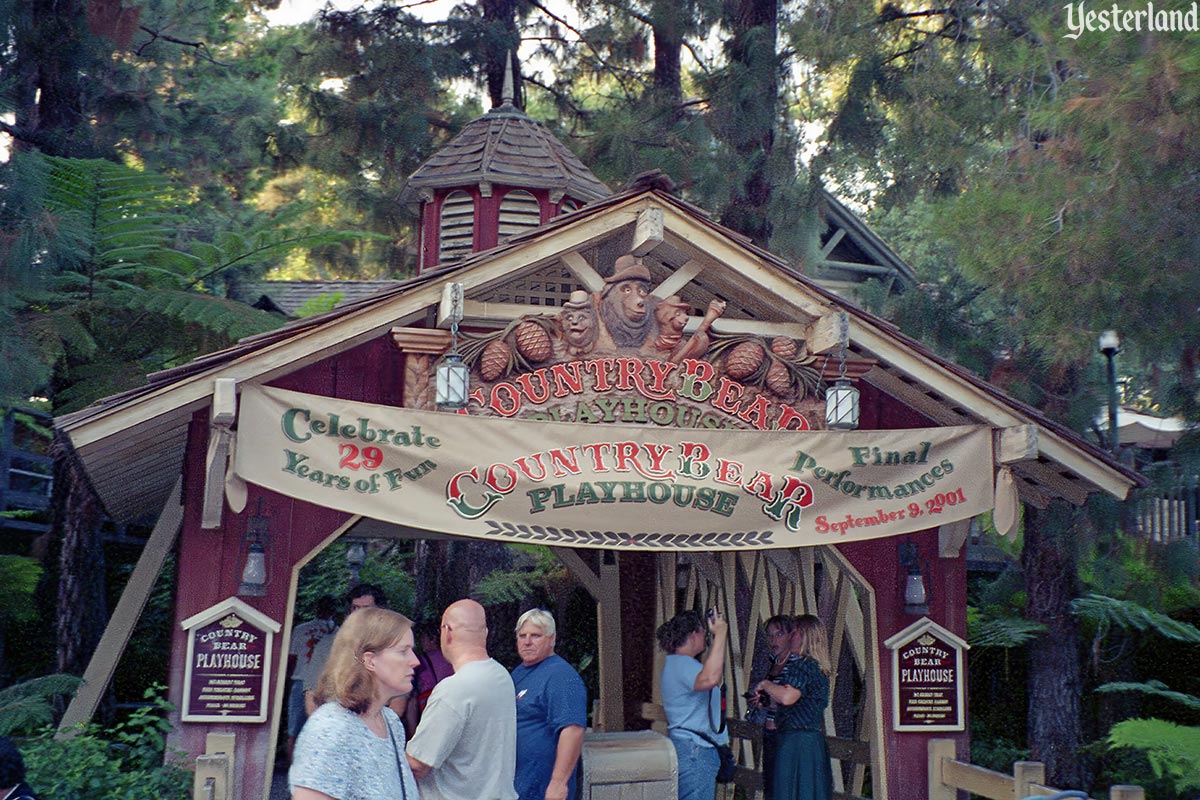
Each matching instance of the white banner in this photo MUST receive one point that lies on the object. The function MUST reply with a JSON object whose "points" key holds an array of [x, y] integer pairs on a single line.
{"points": [[610, 486]]}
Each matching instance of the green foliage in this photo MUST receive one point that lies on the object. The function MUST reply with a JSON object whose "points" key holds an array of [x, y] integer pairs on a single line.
{"points": [[1154, 689], [125, 761], [1107, 612], [319, 304], [535, 567], [386, 565], [27, 706], [19, 578], [1000, 631], [996, 753], [1173, 750]]}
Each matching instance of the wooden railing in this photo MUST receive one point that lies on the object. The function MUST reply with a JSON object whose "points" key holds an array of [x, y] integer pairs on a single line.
{"points": [[947, 776], [1171, 514], [746, 740]]}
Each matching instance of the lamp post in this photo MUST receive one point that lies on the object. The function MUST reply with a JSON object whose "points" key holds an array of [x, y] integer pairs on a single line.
{"points": [[1110, 345]]}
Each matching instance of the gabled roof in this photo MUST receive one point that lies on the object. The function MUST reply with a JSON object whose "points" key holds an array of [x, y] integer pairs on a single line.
{"points": [[505, 146], [288, 297], [132, 444]]}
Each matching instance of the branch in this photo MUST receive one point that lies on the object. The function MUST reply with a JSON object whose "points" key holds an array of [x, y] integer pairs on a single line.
{"points": [[200, 47], [599, 58]]}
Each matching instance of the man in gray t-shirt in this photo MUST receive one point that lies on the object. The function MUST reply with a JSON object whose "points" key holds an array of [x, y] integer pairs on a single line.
{"points": [[465, 747]]}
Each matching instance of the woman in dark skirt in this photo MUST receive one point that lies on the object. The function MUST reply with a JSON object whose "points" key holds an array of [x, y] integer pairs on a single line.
{"points": [[802, 770]]}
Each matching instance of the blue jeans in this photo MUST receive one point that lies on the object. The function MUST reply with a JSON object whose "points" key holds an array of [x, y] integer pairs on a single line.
{"points": [[698, 765], [296, 713]]}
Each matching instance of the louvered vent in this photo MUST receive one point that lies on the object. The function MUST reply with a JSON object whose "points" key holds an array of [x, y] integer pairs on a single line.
{"points": [[568, 206], [458, 226], [519, 211]]}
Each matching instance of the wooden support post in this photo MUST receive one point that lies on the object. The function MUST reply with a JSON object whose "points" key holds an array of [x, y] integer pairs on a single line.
{"points": [[129, 608], [214, 769], [940, 750], [612, 692], [1025, 774]]}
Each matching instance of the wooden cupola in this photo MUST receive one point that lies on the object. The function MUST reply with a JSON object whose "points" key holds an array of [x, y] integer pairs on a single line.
{"points": [[504, 173]]}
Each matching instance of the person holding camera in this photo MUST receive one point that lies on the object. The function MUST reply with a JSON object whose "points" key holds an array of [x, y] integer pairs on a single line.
{"points": [[802, 770], [691, 697], [778, 629]]}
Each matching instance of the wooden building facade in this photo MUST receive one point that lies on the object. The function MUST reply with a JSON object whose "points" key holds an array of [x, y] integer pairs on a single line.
{"points": [[768, 340]]}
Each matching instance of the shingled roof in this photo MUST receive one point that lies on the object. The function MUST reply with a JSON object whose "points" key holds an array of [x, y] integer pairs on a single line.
{"points": [[505, 146]]}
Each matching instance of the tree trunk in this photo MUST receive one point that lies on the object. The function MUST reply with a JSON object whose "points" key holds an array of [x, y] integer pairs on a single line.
{"points": [[501, 40], [752, 90], [51, 44], [668, 41], [82, 611], [1055, 672]]}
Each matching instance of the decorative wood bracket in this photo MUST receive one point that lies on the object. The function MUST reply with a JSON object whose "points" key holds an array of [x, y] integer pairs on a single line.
{"points": [[421, 341], [830, 333], [1018, 443], [648, 232]]}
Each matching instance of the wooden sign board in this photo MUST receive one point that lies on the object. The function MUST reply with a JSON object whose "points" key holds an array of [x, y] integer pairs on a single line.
{"points": [[227, 676], [927, 678]]}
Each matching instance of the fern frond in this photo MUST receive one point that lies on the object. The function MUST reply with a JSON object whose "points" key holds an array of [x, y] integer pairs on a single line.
{"points": [[1153, 689], [227, 317], [1003, 632], [1127, 615], [505, 586], [27, 706], [1172, 750]]}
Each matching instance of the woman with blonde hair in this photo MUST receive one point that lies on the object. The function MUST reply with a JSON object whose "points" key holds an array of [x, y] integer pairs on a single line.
{"points": [[352, 747], [802, 770]]}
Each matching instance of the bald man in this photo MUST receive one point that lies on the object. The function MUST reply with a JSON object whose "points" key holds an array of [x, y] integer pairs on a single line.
{"points": [[465, 747]]}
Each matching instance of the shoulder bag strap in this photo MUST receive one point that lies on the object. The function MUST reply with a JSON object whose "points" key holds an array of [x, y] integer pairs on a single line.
{"points": [[396, 750], [720, 711]]}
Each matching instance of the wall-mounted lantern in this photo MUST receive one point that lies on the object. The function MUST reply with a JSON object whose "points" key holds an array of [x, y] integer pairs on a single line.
{"points": [[916, 598], [255, 544]]}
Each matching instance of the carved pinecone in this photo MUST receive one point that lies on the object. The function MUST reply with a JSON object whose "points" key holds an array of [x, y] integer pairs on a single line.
{"points": [[533, 341], [743, 359], [784, 347], [493, 361], [779, 380]]}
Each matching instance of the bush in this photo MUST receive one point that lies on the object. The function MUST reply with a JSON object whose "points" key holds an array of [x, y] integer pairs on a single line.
{"points": [[124, 762]]}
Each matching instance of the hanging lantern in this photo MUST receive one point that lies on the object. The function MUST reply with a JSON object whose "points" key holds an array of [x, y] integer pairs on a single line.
{"points": [[841, 406], [453, 382], [453, 376]]}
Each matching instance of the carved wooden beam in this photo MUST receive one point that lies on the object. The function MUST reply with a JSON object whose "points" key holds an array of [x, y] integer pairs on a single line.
{"points": [[674, 283], [952, 536], [1018, 443], [829, 334], [583, 271], [648, 232], [833, 242], [424, 341]]}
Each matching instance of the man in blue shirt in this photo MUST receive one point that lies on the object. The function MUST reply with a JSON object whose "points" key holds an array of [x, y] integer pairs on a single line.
{"points": [[551, 712]]}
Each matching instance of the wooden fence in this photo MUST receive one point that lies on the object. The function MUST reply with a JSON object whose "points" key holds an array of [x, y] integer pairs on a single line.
{"points": [[1170, 515], [947, 776]]}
